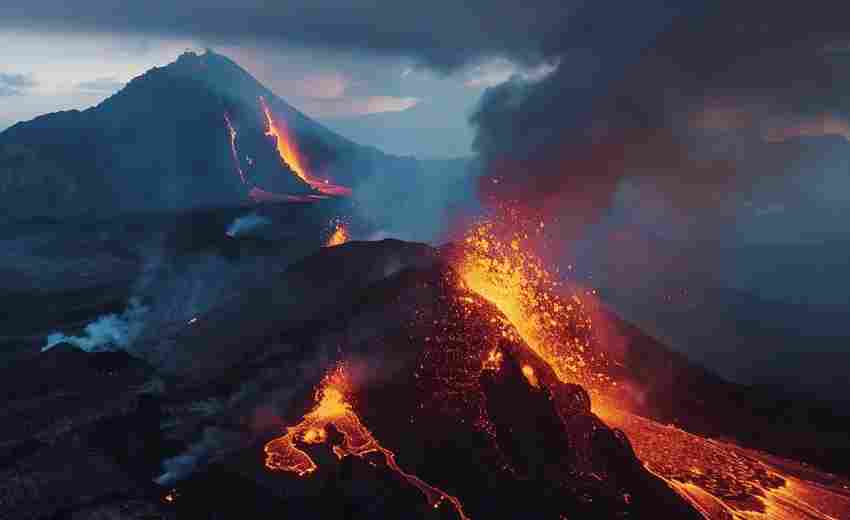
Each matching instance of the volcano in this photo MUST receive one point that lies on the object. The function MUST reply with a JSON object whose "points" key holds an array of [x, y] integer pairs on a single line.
{"points": [[197, 133], [394, 388]]}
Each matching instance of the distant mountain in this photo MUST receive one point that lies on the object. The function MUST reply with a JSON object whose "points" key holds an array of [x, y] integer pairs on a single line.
{"points": [[190, 134]]}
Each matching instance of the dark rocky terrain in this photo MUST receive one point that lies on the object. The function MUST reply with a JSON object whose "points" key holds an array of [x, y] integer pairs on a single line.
{"points": [[92, 429]]}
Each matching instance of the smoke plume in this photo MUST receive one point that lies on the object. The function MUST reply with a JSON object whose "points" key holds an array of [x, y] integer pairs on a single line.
{"points": [[108, 332], [246, 224]]}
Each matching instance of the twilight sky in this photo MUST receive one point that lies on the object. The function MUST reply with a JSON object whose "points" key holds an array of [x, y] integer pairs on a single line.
{"points": [[380, 100], [723, 120]]}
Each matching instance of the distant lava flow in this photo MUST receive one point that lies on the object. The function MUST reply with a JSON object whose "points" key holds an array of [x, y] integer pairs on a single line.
{"points": [[334, 409], [233, 152], [339, 235], [721, 480], [288, 150]]}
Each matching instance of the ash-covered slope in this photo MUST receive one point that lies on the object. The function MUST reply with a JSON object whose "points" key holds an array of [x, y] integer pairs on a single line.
{"points": [[189, 134], [428, 374]]}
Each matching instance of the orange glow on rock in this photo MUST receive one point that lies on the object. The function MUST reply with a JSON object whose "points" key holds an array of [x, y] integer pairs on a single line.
{"points": [[333, 408], [339, 236]]}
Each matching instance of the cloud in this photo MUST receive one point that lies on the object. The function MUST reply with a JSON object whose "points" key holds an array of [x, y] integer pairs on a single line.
{"points": [[314, 85], [677, 99], [497, 71], [440, 33], [357, 106], [15, 84], [105, 85], [817, 126]]}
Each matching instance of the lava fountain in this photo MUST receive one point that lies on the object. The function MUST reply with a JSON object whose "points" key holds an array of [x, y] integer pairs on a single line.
{"points": [[339, 236], [506, 273], [333, 408], [288, 150], [721, 480]]}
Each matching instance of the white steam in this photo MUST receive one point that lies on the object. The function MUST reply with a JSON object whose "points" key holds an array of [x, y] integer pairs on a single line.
{"points": [[246, 223], [107, 332]]}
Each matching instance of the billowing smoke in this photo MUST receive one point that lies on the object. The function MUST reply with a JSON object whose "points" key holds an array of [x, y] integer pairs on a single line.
{"points": [[673, 124], [214, 442], [108, 332], [417, 200], [246, 224]]}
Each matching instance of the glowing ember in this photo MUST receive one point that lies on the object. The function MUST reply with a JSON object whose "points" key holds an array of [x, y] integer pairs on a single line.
{"points": [[288, 150], [339, 236], [528, 372], [233, 152], [333, 408]]}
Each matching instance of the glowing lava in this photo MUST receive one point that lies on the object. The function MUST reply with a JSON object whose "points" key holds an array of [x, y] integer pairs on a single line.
{"points": [[504, 272], [288, 150], [334, 409], [232, 131], [339, 235], [721, 480]]}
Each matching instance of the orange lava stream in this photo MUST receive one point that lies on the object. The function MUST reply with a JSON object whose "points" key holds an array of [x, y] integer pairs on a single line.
{"points": [[722, 481], [233, 152], [339, 236], [288, 150], [333, 408]]}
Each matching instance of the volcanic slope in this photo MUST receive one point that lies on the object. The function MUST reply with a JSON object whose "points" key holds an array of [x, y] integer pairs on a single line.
{"points": [[368, 380]]}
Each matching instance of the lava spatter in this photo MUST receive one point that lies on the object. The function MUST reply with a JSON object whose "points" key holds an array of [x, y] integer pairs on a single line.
{"points": [[504, 272], [339, 235], [333, 408]]}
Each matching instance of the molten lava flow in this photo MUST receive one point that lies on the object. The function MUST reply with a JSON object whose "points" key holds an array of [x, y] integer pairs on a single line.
{"points": [[233, 152], [333, 408], [339, 235], [291, 155], [721, 480]]}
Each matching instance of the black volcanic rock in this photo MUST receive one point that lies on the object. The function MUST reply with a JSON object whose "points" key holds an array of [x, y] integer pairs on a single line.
{"points": [[390, 313]]}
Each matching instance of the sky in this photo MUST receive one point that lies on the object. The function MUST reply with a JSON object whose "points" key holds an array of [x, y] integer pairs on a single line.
{"points": [[385, 101], [686, 139], [715, 122]]}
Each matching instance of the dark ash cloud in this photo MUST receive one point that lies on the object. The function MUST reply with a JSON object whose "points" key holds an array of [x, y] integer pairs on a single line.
{"points": [[442, 33], [684, 102], [15, 84]]}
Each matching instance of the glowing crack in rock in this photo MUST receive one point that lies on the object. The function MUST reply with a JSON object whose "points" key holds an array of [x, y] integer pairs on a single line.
{"points": [[333, 408]]}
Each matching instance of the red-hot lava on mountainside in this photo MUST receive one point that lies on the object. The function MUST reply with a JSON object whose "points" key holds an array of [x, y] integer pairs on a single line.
{"points": [[495, 358], [334, 409], [287, 148], [721, 480]]}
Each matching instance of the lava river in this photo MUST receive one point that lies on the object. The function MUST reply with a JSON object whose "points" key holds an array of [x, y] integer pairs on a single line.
{"points": [[290, 153], [720, 479]]}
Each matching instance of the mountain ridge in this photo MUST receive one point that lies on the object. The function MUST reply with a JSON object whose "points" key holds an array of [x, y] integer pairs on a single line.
{"points": [[163, 142]]}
